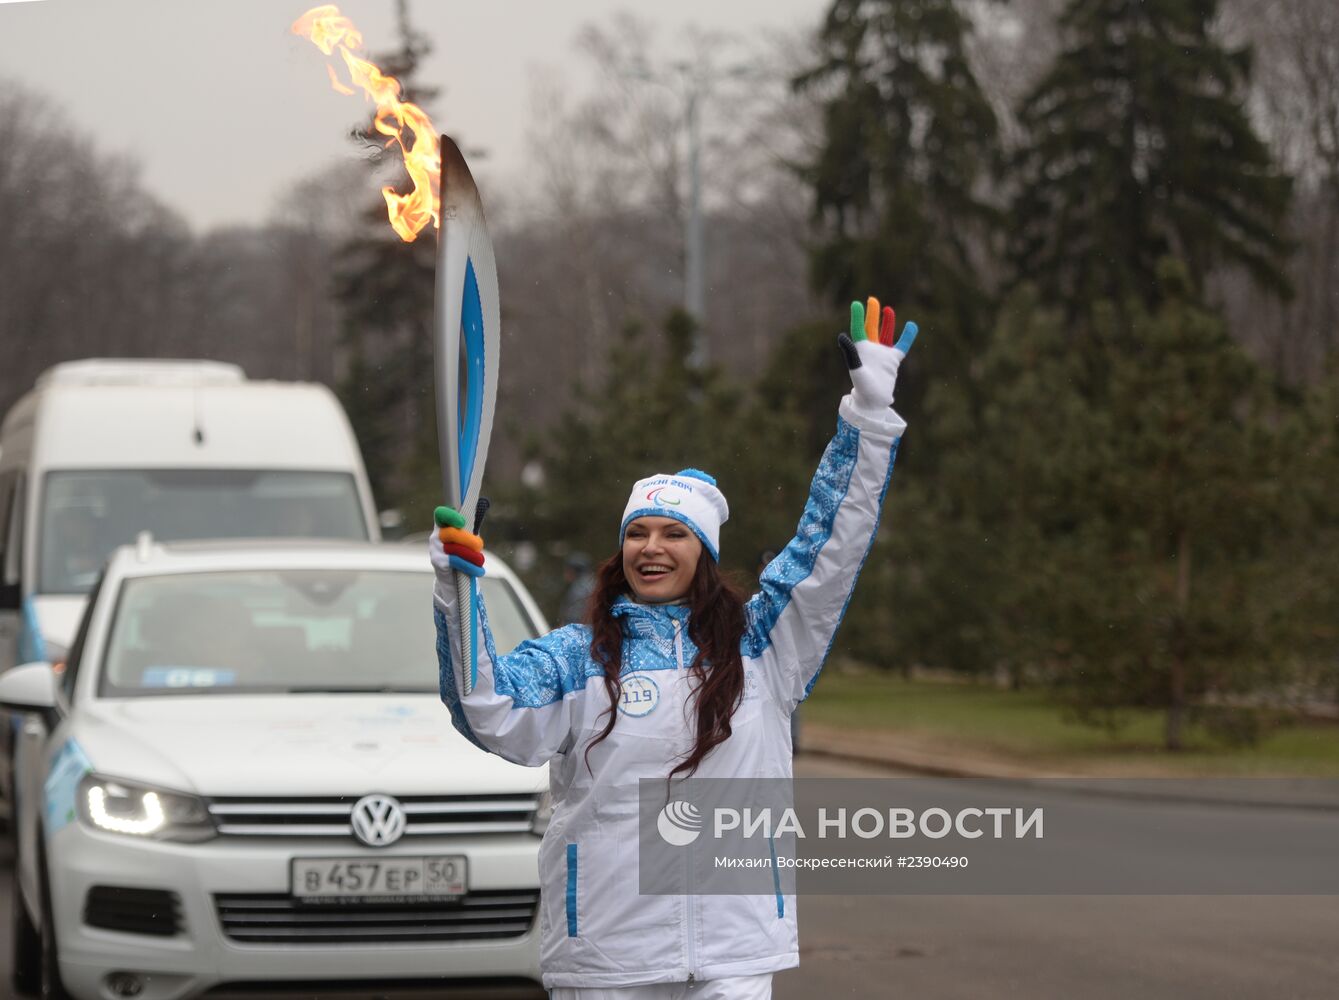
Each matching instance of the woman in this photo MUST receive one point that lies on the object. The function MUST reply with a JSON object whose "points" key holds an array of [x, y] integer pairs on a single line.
{"points": [[677, 676]]}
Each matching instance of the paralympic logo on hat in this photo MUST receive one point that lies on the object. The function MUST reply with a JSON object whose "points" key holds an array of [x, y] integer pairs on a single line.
{"points": [[660, 501]]}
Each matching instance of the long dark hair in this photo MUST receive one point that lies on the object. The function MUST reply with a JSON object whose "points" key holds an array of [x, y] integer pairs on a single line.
{"points": [[715, 624]]}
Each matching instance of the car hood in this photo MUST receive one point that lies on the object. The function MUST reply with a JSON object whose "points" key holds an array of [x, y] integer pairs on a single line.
{"points": [[297, 744]]}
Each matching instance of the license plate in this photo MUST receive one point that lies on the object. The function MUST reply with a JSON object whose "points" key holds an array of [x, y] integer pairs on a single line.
{"points": [[409, 879]]}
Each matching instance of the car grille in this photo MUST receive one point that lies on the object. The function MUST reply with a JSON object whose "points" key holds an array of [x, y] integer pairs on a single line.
{"points": [[436, 815], [279, 919], [133, 911]]}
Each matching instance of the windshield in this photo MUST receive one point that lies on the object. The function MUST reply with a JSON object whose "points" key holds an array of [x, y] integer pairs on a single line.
{"points": [[86, 514], [290, 631]]}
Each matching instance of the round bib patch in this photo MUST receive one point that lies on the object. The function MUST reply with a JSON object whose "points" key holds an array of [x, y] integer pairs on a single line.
{"points": [[638, 695]]}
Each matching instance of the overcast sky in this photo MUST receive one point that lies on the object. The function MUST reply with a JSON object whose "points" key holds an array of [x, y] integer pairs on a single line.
{"points": [[224, 108]]}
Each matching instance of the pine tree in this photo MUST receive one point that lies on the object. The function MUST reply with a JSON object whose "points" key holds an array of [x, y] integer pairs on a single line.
{"points": [[1137, 147], [1308, 594], [1121, 522], [652, 411], [908, 143], [978, 546], [385, 289], [1181, 609]]}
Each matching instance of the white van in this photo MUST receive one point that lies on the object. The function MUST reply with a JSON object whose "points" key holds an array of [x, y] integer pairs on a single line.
{"points": [[100, 450]]}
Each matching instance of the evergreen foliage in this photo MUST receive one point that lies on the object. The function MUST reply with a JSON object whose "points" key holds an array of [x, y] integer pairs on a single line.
{"points": [[1179, 607], [978, 580], [652, 411], [1137, 147], [1115, 501], [385, 288], [1116, 525], [901, 179], [1308, 593]]}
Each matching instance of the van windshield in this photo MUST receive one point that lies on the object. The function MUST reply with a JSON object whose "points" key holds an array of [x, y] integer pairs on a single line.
{"points": [[297, 631], [86, 514]]}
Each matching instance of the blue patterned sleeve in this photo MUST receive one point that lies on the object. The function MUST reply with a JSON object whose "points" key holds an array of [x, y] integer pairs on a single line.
{"points": [[804, 592], [522, 702]]}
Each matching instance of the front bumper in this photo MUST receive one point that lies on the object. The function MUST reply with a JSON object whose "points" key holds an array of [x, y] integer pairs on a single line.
{"points": [[202, 956]]}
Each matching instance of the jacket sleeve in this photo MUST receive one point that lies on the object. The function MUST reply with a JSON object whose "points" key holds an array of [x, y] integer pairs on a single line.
{"points": [[793, 619], [521, 706]]}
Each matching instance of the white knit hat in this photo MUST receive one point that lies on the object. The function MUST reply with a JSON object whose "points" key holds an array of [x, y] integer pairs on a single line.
{"points": [[690, 496]]}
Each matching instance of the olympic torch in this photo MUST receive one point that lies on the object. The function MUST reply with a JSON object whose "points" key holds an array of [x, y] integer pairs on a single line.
{"points": [[465, 323], [466, 344]]}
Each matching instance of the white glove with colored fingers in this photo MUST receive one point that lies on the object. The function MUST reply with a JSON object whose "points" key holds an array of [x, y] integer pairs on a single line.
{"points": [[871, 356]]}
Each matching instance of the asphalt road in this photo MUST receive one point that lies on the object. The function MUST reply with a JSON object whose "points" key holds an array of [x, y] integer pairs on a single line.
{"points": [[1095, 947], [1037, 947]]}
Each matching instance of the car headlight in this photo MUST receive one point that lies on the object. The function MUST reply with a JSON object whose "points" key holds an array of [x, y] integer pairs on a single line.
{"points": [[543, 813], [115, 806]]}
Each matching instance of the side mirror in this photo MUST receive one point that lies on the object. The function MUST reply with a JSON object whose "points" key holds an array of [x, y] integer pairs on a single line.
{"points": [[28, 688]]}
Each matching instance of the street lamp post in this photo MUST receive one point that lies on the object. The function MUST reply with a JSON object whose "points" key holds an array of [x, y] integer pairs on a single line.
{"points": [[691, 82], [694, 297]]}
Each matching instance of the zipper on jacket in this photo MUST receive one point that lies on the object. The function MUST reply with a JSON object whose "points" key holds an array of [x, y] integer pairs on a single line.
{"points": [[690, 922]]}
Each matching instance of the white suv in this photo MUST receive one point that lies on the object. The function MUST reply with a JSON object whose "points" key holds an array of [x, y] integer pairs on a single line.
{"points": [[242, 778]]}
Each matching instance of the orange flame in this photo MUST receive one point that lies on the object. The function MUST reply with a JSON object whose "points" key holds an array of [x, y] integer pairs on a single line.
{"points": [[331, 32]]}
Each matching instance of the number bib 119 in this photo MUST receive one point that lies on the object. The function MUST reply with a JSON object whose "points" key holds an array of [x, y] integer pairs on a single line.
{"points": [[638, 695]]}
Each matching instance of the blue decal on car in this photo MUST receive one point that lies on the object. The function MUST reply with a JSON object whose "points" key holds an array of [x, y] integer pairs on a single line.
{"points": [[62, 785], [187, 677], [32, 644]]}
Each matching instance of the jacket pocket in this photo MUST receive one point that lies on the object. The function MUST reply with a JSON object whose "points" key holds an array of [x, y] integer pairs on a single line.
{"points": [[571, 890]]}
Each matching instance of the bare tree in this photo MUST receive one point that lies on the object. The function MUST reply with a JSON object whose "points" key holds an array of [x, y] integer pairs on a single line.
{"points": [[1296, 104], [1011, 46], [94, 265], [312, 218], [89, 258], [596, 240]]}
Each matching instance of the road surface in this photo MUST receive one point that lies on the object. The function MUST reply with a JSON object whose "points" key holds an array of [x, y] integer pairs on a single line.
{"points": [[1032, 947]]}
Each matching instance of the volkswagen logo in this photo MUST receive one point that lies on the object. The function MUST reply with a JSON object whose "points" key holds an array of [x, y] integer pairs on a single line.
{"points": [[378, 820]]}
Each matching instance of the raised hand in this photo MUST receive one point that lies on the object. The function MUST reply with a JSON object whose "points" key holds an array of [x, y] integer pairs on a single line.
{"points": [[871, 356]]}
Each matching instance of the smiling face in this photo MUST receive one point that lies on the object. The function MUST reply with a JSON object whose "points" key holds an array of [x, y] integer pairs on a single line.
{"points": [[660, 558]]}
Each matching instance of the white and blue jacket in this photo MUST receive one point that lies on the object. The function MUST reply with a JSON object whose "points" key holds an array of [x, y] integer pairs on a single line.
{"points": [[545, 701]]}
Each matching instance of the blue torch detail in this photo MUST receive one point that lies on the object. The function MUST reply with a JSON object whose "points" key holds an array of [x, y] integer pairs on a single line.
{"points": [[472, 399]]}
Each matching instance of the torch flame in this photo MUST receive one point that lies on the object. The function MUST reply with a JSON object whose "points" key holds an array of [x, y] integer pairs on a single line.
{"points": [[331, 32]]}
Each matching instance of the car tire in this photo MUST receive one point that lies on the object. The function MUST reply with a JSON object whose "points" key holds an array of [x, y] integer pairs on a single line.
{"points": [[26, 944], [51, 986]]}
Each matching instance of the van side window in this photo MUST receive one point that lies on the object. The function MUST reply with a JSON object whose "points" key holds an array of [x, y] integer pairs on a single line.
{"points": [[14, 536], [13, 528], [76, 653], [7, 481]]}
